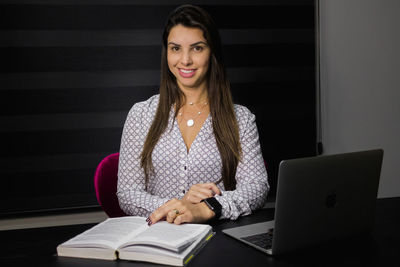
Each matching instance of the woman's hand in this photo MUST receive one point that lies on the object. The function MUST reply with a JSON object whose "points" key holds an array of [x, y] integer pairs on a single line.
{"points": [[198, 192], [181, 211]]}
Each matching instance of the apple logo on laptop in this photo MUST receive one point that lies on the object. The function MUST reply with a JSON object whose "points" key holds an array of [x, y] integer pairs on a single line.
{"points": [[331, 200]]}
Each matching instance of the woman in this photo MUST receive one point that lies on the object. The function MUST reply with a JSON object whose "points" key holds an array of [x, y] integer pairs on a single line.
{"points": [[189, 154]]}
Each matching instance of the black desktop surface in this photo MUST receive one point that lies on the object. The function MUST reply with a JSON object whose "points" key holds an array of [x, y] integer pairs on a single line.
{"points": [[381, 247]]}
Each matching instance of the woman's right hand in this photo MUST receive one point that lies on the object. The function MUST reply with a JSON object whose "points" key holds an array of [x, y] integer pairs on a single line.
{"points": [[198, 192]]}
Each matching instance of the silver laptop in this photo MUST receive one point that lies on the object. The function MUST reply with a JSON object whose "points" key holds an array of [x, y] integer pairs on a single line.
{"points": [[318, 199]]}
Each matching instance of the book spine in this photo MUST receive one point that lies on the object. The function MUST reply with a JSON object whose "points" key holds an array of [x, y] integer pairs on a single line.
{"points": [[190, 256]]}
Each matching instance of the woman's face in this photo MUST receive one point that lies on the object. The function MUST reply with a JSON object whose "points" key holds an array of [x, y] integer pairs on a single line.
{"points": [[188, 56]]}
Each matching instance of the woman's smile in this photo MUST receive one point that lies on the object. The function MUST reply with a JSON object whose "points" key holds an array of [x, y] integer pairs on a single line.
{"points": [[187, 73]]}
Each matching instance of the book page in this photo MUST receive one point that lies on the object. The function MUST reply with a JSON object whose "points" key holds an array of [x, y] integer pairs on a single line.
{"points": [[170, 236], [169, 253], [110, 233], [163, 256]]}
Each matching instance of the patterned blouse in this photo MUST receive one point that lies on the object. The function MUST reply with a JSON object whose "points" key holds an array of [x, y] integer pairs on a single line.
{"points": [[176, 169]]}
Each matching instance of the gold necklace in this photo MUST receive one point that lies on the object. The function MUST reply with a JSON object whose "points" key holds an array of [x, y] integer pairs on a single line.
{"points": [[190, 122]]}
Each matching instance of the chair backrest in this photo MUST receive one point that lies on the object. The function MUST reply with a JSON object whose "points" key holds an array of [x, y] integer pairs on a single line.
{"points": [[105, 184]]}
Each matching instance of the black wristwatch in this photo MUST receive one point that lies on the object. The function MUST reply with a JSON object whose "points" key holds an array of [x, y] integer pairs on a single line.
{"points": [[214, 205]]}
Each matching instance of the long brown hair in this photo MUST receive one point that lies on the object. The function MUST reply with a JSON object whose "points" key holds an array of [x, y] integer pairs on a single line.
{"points": [[224, 122]]}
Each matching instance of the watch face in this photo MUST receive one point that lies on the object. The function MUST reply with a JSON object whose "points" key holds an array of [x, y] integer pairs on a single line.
{"points": [[210, 206], [214, 205]]}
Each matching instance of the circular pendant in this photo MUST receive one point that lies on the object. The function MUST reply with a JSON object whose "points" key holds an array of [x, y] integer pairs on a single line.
{"points": [[190, 123]]}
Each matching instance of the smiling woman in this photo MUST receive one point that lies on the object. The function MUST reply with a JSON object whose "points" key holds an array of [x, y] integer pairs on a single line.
{"points": [[188, 154], [188, 57]]}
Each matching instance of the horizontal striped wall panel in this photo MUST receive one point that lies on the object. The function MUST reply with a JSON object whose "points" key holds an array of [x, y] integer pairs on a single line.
{"points": [[102, 79], [70, 72], [68, 104], [144, 57], [115, 17], [71, 38]]}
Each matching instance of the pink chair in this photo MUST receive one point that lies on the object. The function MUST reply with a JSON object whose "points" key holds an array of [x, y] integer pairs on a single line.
{"points": [[105, 184]]}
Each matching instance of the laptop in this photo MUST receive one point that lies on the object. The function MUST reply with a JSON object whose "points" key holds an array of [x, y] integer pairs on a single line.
{"points": [[318, 199]]}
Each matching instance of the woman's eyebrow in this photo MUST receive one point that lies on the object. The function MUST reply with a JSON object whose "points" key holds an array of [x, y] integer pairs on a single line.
{"points": [[198, 43], [195, 44]]}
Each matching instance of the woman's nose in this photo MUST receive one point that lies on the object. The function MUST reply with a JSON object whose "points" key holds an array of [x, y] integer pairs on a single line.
{"points": [[186, 58]]}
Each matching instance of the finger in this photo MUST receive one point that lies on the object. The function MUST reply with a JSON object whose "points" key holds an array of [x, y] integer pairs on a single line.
{"points": [[214, 188], [156, 216], [162, 211], [206, 191], [196, 197], [193, 196], [172, 214], [183, 218]]}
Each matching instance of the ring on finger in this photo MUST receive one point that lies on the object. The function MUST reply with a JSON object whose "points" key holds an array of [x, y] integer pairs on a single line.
{"points": [[176, 211]]}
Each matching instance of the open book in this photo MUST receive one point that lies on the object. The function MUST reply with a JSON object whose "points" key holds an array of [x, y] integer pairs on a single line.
{"points": [[130, 238]]}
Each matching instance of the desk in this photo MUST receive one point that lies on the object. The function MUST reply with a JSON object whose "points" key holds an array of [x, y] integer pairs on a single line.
{"points": [[37, 247]]}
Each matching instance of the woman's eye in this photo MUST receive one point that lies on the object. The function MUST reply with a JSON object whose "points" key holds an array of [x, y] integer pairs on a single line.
{"points": [[198, 48], [175, 48]]}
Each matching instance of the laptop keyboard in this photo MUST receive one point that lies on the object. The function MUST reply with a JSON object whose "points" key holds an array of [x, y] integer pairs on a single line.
{"points": [[263, 240]]}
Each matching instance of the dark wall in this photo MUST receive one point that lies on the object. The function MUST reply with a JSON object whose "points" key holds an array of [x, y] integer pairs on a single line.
{"points": [[70, 71]]}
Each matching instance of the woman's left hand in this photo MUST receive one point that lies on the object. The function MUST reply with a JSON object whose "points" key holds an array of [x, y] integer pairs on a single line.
{"points": [[181, 211]]}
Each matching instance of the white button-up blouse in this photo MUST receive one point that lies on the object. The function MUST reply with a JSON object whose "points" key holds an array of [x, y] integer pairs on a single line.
{"points": [[176, 169]]}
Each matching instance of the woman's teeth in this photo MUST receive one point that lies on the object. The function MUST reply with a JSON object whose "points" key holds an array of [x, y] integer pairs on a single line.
{"points": [[187, 71]]}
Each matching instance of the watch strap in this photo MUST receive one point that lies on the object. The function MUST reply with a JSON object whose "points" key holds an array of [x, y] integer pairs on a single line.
{"points": [[214, 205]]}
